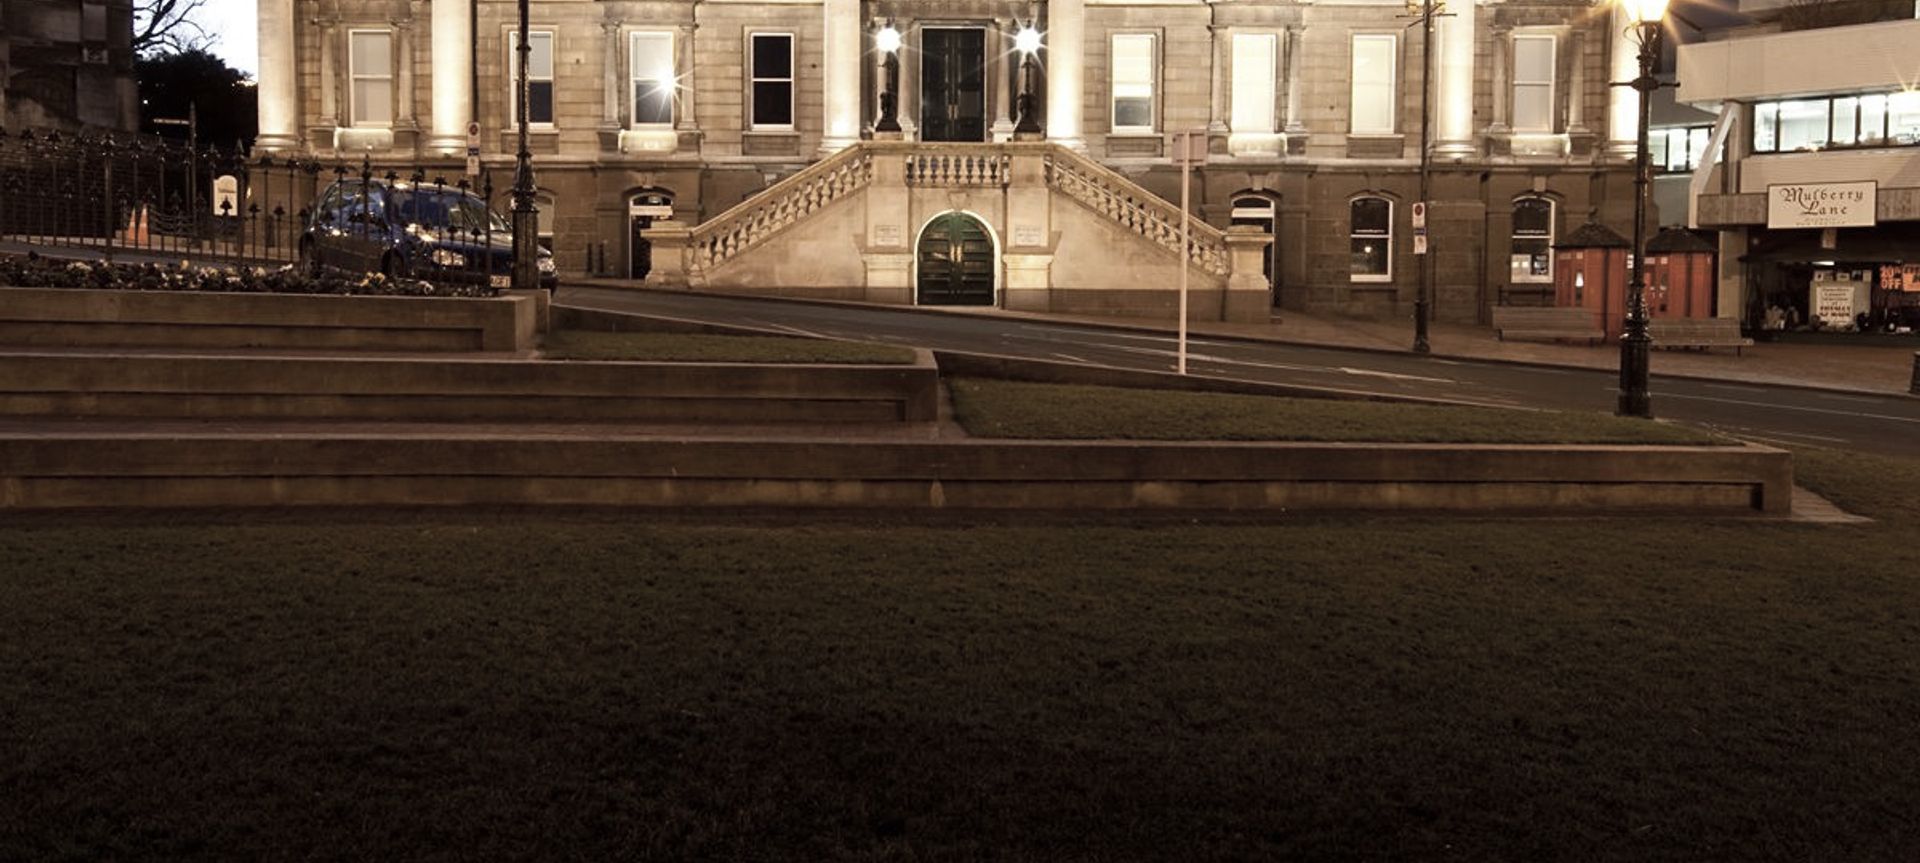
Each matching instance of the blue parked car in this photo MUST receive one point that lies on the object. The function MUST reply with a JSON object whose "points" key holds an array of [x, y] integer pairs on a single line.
{"points": [[431, 233]]}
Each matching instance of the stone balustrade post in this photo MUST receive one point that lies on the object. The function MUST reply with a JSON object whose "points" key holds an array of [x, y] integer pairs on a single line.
{"points": [[672, 254], [1248, 297], [887, 252]]}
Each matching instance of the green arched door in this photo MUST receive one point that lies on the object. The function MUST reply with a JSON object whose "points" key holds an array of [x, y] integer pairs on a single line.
{"points": [[956, 262]]}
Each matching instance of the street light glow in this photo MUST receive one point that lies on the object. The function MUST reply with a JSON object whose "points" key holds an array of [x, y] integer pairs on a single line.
{"points": [[1644, 11], [888, 39], [1027, 41]]}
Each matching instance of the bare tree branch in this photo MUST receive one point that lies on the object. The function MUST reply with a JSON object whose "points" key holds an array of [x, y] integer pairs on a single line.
{"points": [[167, 25]]}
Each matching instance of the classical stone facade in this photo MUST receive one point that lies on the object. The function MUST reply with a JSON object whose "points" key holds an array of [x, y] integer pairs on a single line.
{"points": [[1311, 113], [67, 64]]}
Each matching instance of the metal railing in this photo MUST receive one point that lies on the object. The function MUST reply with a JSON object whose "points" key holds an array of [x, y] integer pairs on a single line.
{"points": [[136, 198]]}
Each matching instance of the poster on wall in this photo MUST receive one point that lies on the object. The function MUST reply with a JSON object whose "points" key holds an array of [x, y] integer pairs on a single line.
{"points": [[1838, 295], [1822, 205]]}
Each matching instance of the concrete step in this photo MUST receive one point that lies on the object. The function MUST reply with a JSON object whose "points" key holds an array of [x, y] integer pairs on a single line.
{"points": [[198, 385], [507, 466]]}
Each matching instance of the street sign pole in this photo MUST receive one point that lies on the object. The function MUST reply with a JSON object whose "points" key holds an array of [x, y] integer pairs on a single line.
{"points": [[1190, 149]]}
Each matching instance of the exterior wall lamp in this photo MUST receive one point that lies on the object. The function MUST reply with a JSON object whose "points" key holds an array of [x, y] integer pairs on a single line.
{"points": [[1027, 126], [888, 41]]}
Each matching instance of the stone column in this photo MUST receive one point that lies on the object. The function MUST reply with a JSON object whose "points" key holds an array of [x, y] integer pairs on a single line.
{"points": [[1577, 85], [1623, 103], [685, 116], [1453, 136], [403, 113], [1003, 76], [452, 77], [330, 49], [1066, 68], [1220, 37], [1296, 122], [1502, 94], [612, 86], [279, 99], [841, 72]]}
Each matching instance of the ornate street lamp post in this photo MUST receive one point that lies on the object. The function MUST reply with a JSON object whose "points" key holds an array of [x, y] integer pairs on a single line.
{"points": [[1027, 42], [526, 276], [888, 41], [1647, 18]]}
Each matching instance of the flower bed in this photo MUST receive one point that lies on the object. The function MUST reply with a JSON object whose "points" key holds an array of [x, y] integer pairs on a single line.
{"points": [[35, 271]]}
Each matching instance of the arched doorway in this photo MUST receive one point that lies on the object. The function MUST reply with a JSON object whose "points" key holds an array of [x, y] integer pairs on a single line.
{"points": [[643, 209], [1259, 211], [955, 262]]}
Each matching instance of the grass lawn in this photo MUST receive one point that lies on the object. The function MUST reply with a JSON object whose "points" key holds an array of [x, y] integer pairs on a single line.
{"points": [[462, 686], [703, 348], [1011, 409]]}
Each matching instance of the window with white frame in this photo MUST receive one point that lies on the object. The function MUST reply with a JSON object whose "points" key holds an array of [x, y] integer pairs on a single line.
{"points": [[770, 72], [1678, 149], [1533, 83], [1132, 82], [650, 62], [370, 63], [1370, 224], [539, 77], [1372, 79], [1253, 76], [1532, 257]]}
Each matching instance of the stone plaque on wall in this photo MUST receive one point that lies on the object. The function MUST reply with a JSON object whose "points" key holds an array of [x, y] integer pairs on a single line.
{"points": [[1029, 235], [886, 235]]}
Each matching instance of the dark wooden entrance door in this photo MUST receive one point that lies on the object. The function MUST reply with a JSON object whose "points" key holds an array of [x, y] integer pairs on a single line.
{"points": [[956, 262], [953, 92]]}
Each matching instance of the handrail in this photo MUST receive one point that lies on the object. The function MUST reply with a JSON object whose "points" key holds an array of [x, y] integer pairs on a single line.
{"points": [[747, 223], [1111, 194]]}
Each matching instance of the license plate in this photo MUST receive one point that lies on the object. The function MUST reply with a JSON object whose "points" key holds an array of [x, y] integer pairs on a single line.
{"points": [[502, 281]]}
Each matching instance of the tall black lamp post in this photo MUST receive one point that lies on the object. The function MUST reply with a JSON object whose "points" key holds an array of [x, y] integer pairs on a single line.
{"points": [[1647, 18], [888, 41], [1027, 126], [526, 276], [1425, 11]]}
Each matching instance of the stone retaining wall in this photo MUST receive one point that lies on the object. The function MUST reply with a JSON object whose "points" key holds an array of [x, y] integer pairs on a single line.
{"points": [[240, 470], [61, 317]]}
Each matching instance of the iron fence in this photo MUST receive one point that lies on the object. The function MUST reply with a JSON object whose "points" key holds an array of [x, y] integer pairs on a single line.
{"points": [[138, 198]]}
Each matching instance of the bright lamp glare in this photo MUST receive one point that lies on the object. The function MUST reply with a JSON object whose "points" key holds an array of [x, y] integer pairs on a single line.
{"points": [[887, 40], [1027, 41], [1643, 11]]}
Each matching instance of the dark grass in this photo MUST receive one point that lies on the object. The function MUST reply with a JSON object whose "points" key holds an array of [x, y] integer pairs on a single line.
{"points": [[446, 686], [1012, 409], [701, 347]]}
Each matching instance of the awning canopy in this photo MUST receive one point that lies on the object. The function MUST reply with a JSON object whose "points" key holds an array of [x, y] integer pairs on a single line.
{"points": [[1887, 244]]}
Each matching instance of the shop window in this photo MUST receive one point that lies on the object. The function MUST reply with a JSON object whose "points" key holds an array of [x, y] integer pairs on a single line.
{"points": [[1862, 120], [1254, 57], [1679, 149], [539, 77], [1533, 83], [371, 61], [1803, 124], [771, 71], [1373, 83], [1371, 228], [1133, 82], [650, 60], [1532, 255]]}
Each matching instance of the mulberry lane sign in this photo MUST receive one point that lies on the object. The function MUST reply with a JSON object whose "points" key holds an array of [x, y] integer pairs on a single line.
{"points": [[1821, 205]]}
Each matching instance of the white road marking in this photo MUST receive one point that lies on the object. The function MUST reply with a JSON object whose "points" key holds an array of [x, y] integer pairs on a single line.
{"points": [[1070, 358], [1732, 388], [800, 332], [1395, 376], [1913, 420]]}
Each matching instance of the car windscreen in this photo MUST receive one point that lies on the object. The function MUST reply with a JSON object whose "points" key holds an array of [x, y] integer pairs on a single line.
{"points": [[447, 212]]}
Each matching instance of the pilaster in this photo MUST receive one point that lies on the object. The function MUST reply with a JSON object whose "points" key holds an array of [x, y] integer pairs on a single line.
{"points": [[278, 91], [1066, 71], [452, 77]]}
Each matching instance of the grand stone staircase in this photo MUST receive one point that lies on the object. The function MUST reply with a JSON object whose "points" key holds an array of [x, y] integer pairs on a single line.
{"points": [[1069, 234]]}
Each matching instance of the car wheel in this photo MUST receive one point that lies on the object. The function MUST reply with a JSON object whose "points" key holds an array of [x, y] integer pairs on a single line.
{"points": [[392, 267]]}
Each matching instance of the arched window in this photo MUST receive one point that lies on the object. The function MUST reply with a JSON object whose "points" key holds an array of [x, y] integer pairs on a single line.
{"points": [[1370, 221], [1532, 254]]}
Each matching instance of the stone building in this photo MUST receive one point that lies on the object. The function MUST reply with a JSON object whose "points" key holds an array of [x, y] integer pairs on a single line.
{"points": [[67, 64], [730, 145]]}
